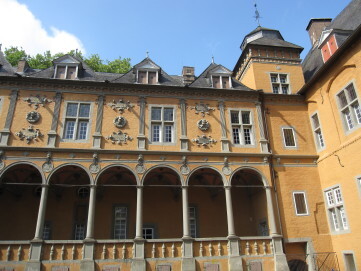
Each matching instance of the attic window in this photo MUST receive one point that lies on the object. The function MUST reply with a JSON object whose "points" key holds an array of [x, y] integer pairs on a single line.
{"points": [[66, 72], [147, 77], [219, 81]]}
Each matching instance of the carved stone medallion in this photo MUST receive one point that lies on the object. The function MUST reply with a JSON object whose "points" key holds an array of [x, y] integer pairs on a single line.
{"points": [[47, 167], [119, 137], [29, 134], [33, 117], [203, 124], [226, 171], [140, 168], [184, 170], [120, 122], [204, 140], [94, 168], [120, 105], [202, 108], [37, 101]]}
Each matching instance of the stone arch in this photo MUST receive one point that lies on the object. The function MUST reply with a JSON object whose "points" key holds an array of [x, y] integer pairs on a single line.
{"points": [[223, 178], [180, 177], [345, 67], [58, 168], [116, 165], [7, 168], [261, 175]]}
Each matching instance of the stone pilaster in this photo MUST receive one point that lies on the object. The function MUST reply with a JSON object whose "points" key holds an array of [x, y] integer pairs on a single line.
{"points": [[97, 136], [141, 136], [224, 140], [54, 123], [5, 133]]}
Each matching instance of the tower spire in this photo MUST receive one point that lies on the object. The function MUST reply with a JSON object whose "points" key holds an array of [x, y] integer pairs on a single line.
{"points": [[257, 16]]}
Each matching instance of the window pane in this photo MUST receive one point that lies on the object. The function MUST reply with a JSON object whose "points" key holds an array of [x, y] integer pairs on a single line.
{"points": [[236, 137], [225, 82], [235, 117], [315, 120], [69, 129], [46, 231], [351, 92], [152, 78], [156, 113], [274, 78], [168, 114], [168, 133], [142, 77], [79, 232], [289, 138], [216, 83], [300, 203], [72, 110], [71, 73], [338, 196], [276, 88], [348, 118], [155, 133], [82, 129], [330, 200], [84, 110], [247, 136], [283, 78], [334, 220], [284, 89], [357, 109], [246, 118], [342, 99], [120, 222], [343, 218], [60, 72], [320, 142]]}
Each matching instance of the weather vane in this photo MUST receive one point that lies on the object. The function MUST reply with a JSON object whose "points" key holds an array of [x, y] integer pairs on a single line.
{"points": [[257, 16]]}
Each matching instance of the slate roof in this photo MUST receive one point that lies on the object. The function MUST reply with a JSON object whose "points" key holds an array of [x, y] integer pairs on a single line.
{"points": [[5, 67], [275, 42], [348, 19]]}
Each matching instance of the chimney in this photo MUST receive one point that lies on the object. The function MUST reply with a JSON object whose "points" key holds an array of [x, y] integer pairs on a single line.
{"points": [[315, 28], [22, 66], [188, 75]]}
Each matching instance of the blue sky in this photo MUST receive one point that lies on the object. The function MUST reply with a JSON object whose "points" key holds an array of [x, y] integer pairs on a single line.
{"points": [[176, 33]]}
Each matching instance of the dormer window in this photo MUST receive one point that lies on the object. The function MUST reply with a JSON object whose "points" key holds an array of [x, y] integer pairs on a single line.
{"points": [[147, 77], [66, 72], [219, 81]]}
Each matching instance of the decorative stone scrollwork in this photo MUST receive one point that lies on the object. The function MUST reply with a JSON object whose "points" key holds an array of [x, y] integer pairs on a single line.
{"points": [[29, 134], [2, 164], [184, 169], [95, 167], [226, 169], [48, 165], [33, 117], [202, 108], [204, 140], [120, 122], [121, 105], [37, 101], [140, 168], [203, 124], [119, 137]]}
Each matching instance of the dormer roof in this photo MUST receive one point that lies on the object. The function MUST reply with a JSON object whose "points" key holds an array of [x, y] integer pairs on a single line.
{"points": [[147, 63], [67, 59], [5, 67]]}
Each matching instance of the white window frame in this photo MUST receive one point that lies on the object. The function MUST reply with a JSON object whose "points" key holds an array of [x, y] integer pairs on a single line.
{"points": [[295, 204], [162, 123], [335, 208], [284, 138], [66, 70], [351, 121], [220, 76], [241, 126], [279, 83], [317, 132], [145, 228], [147, 71], [349, 252], [193, 220], [125, 224], [77, 118]]}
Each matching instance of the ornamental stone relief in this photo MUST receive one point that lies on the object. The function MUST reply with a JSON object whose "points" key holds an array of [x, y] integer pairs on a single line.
{"points": [[119, 138], [140, 167], [204, 140], [120, 122], [95, 167], [184, 169], [37, 101], [120, 105], [202, 109], [48, 165], [33, 117], [29, 134], [203, 124]]}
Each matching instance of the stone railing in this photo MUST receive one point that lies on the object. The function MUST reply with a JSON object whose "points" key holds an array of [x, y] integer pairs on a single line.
{"points": [[251, 246], [163, 248], [113, 249], [62, 250], [210, 247], [14, 251]]}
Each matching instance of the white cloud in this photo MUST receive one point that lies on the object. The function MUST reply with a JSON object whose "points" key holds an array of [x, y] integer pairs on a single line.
{"points": [[21, 28]]}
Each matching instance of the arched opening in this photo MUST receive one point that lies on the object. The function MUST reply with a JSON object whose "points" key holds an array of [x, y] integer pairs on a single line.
{"points": [[20, 190], [207, 204], [116, 204], [249, 204], [162, 204], [67, 205], [297, 265]]}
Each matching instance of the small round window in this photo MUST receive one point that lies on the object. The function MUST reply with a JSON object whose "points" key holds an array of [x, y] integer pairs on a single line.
{"points": [[83, 192]]}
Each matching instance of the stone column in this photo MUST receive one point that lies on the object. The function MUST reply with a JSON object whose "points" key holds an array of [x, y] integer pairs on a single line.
{"points": [[91, 213], [41, 213], [4, 134], [230, 220], [186, 233], [54, 123], [141, 135], [271, 213], [139, 222], [263, 141], [224, 140], [183, 138], [98, 126]]}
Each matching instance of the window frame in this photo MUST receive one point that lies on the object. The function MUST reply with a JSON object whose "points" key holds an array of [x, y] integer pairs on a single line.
{"points": [[147, 227], [356, 122], [195, 219], [126, 221], [279, 83], [147, 71], [295, 147], [49, 225], [241, 126], [220, 77], [335, 218], [316, 131], [358, 184], [305, 202], [163, 124], [66, 65], [76, 130]]}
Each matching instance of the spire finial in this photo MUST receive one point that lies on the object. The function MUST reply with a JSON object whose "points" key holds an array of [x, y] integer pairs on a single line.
{"points": [[147, 54], [213, 59], [257, 16]]}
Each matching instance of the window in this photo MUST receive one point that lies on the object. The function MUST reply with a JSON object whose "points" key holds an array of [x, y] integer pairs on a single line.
{"points": [[221, 81], [120, 222], [299, 200], [148, 233], [66, 72], [81, 217], [289, 137], [79, 231], [280, 83], [350, 261], [162, 124], [193, 221], [242, 127], [77, 121], [46, 231], [320, 143], [147, 77], [349, 107], [337, 214], [83, 192]]}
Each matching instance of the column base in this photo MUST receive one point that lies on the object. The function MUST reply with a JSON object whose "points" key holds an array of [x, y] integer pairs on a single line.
{"points": [[188, 264], [235, 264], [233, 242]]}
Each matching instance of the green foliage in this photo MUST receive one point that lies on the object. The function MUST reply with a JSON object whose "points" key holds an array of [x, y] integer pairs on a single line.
{"points": [[43, 61]]}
